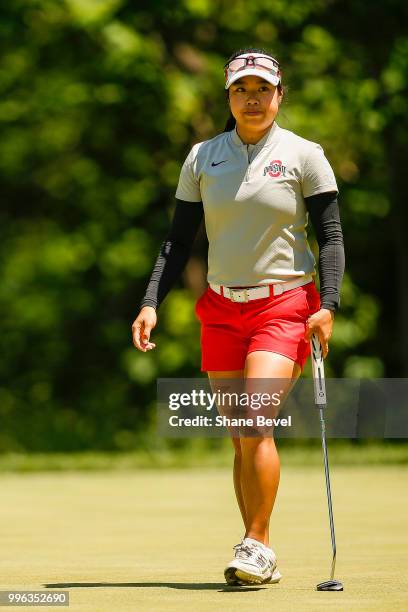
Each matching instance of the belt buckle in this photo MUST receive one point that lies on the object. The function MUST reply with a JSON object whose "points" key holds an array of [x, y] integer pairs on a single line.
{"points": [[244, 291]]}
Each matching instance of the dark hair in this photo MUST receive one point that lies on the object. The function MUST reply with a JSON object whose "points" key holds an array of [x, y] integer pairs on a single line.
{"points": [[231, 122]]}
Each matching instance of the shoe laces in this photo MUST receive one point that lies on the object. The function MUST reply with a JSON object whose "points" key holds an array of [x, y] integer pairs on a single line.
{"points": [[245, 551]]}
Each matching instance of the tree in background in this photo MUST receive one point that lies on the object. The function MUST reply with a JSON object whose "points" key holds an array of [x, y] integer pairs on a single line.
{"points": [[100, 102]]}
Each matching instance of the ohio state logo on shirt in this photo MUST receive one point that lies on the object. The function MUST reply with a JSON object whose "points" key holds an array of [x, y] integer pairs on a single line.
{"points": [[275, 169]]}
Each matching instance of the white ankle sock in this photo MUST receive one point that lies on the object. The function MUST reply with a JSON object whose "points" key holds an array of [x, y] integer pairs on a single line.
{"points": [[253, 541]]}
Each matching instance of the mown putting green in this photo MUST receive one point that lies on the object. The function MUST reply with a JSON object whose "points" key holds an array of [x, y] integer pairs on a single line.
{"points": [[158, 540]]}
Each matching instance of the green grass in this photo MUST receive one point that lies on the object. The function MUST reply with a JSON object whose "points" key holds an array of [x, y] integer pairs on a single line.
{"points": [[196, 454], [158, 540]]}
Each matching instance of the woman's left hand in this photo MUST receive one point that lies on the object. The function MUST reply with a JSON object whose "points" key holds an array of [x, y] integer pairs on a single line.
{"points": [[321, 324]]}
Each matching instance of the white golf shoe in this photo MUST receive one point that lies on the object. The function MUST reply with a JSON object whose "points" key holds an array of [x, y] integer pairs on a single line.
{"points": [[254, 563]]}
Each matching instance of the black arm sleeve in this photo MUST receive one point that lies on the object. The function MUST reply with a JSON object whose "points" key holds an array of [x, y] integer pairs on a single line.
{"points": [[324, 214], [174, 252]]}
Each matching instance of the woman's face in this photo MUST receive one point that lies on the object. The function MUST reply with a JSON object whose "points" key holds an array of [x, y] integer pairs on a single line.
{"points": [[254, 102]]}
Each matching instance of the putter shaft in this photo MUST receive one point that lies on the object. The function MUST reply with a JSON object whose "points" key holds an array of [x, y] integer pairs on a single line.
{"points": [[320, 401], [328, 489]]}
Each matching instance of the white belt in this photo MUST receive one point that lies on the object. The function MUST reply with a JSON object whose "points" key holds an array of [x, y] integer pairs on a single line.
{"points": [[255, 293]]}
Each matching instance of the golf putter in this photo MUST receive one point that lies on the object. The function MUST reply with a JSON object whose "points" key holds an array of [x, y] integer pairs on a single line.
{"points": [[320, 401]]}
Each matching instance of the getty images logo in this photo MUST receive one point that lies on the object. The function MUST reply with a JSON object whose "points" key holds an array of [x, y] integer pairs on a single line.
{"points": [[275, 169]]}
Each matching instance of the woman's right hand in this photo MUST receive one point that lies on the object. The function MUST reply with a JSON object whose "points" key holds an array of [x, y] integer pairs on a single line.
{"points": [[141, 328]]}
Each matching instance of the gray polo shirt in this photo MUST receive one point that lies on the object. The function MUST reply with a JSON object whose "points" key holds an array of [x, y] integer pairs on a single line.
{"points": [[253, 199]]}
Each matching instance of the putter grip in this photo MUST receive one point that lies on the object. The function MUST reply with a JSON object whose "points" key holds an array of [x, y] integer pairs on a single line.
{"points": [[318, 371]]}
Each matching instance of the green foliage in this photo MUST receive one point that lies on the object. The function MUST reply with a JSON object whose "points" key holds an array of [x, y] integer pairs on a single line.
{"points": [[100, 102]]}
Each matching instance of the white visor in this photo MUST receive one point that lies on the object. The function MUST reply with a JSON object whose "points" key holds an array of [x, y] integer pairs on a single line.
{"points": [[263, 74]]}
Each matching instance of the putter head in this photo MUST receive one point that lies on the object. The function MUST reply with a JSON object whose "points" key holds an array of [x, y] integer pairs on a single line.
{"points": [[330, 585]]}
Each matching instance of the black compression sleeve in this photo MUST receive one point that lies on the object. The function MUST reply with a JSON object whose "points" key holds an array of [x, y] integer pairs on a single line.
{"points": [[174, 252], [324, 214]]}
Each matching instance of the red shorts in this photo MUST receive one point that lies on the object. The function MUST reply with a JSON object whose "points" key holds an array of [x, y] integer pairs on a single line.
{"points": [[231, 330]]}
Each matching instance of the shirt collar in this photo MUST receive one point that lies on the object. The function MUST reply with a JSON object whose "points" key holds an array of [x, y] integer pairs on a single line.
{"points": [[267, 139]]}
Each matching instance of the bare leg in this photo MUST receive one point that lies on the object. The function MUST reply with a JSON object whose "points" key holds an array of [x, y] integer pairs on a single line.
{"points": [[260, 466], [236, 442], [260, 473], [237, 479]]}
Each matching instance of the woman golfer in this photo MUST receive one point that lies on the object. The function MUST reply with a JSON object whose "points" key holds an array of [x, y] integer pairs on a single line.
{"points": [[256, 184]]}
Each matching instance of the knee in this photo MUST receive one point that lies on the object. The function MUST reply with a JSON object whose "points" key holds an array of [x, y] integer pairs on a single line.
{"points": [[255, 444]]}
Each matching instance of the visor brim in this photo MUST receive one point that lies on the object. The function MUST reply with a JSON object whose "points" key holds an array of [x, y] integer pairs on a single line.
{"points": [[264, 74]]}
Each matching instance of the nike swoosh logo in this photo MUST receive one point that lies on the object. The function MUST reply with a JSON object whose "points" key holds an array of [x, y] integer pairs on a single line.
{"points": [[218, 163]]}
